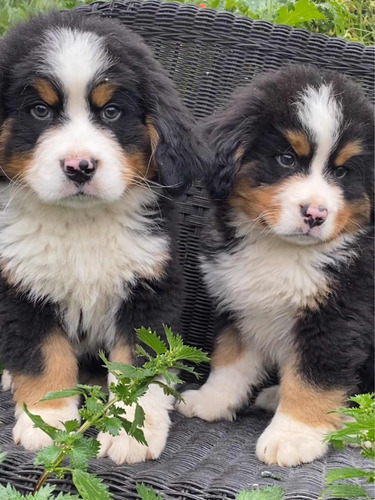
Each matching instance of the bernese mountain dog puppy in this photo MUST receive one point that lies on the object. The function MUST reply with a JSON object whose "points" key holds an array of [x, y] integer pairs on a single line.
{"points": [[288, 256], [93, 139]]}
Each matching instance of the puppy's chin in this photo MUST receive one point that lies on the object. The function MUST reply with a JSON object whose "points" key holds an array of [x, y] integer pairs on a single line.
{"points": [[301, 239], [79, 201]]}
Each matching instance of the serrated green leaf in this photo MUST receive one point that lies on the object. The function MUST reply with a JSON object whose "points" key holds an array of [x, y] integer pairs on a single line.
{"points": [[71, 425], [9, 493], [169, 391], [171, 378], [187, 368], [193, 354], [45, 493], [345, 473], [127, 371], [147, 493], [40, 424], [65, 393], [113, 425], [268, 493], [82, 452], [94, 405], [139, 417], [136, 434], [89, 486], [174, 341], [151, 339], [140, 351], [303, 11], [95, 391], [342, 491], [47, 456], [65, 496]]}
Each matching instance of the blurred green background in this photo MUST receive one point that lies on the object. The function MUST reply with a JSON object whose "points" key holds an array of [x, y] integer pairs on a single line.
{"points": [[352, 20]]}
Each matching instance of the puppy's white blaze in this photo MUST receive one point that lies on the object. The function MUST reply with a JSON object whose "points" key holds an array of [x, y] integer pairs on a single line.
{"points": [[321, 115], [75, 58], [125, 449], [226, 389], [288, 442]]}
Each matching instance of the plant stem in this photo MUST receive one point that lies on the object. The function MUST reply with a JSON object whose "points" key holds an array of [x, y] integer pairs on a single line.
{"points": [[64, 452]]}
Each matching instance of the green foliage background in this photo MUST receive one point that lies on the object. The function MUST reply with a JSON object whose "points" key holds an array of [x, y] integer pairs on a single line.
{"points": [[353, 20]]}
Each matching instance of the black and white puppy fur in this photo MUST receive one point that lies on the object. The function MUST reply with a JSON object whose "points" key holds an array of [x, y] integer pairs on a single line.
{"points": [[93, 140], [289, 256]]}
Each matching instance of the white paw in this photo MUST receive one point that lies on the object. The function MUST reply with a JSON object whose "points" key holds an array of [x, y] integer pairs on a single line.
{"points": [[125, 449], [268, 399], [7, 381], [32, 439], [287, 442], [207, 406]]}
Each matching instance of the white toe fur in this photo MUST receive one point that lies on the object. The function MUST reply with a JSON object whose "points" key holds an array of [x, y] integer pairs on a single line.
{"points": [[7, 381], [32, 439], [206, 405], [125, 449], [287, 442], [268, 399]]}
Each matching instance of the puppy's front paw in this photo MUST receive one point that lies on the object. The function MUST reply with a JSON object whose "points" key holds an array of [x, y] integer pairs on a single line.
{"points": [[32, 439], [125, 449], [287, 442], [205, 406]]}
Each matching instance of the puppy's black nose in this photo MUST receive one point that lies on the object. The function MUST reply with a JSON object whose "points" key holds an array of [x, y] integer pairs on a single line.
{"points": [[79, 170], [313, 215]]}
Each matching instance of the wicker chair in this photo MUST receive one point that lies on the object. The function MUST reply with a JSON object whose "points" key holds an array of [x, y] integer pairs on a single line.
{"points": [[207, 54]]}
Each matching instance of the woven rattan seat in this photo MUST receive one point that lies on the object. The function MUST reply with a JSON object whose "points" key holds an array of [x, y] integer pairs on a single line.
{"points": [[208, 54]]}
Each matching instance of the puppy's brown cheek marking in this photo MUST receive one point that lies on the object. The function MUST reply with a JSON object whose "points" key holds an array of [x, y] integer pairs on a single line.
{"points": [[46, 91], [259, 203], [228, 348], [299, 142], [17, 166], [350, 149], [102, 94], [309, 404], [138, 167], [352, 217], [60, 372]]}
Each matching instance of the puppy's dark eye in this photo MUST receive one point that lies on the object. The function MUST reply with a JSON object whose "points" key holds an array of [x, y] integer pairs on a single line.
{"points": [[341, 172], [286, 160], [110, 113], [41, 111]]}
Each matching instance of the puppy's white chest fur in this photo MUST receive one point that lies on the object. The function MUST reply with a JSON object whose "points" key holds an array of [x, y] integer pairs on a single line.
{"points": [[265, 281], [83, 259]]}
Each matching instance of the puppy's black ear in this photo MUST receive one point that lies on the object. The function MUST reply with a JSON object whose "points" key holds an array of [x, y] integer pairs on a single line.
{"points": [[179, 153], [230, 133]]}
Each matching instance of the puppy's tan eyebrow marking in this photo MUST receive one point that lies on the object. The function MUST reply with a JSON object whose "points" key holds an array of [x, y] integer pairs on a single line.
{"points": [[46, 91], [102, 94], [299, 142], [352, 148]]}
